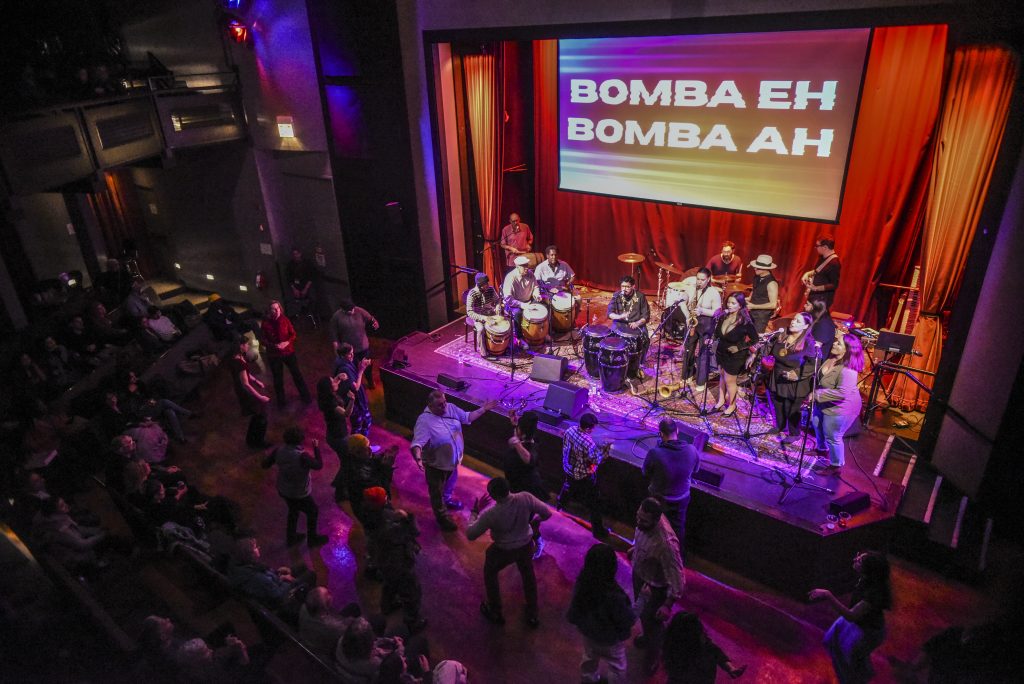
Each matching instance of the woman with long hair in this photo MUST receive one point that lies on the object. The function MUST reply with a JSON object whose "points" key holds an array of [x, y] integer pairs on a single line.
{"points": [[860, 628], [336, 411], [734, 332], [824, 328], [602, 613], [789, 382], [837, 401], [690, 655]]}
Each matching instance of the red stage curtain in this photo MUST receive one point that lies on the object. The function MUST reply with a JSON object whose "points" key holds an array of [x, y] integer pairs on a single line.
{"points": [[482, 106], [898, 111], [973, 121]]}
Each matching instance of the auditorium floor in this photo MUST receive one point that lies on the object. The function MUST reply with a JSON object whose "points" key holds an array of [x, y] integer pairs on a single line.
{"points": [[778, 638]]}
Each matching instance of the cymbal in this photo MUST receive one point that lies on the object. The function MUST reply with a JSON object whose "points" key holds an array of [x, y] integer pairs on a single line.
{"points": [[737, 287], [668, 267], [631, 258]]}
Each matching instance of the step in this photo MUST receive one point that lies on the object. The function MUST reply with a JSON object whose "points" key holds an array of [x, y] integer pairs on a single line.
{"points": [[200, 300]]}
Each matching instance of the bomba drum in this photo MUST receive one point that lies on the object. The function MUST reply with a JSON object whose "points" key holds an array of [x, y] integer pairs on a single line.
{"points": [[534, 325], [675, 293], [497, 333], [633, 341], [535, 259], [613, 358], [592, 336], [564, 308]]}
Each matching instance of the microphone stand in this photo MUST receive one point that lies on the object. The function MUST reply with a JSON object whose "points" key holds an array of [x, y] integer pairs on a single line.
{"points": [[798, 479], [655, 403], [746, 434]]}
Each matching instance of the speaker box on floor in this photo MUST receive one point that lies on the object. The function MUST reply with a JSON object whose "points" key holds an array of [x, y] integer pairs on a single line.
{"points": [[709, 477], [853, 503], [691, 435], [548, 368], [451, 383], [565, 399]]}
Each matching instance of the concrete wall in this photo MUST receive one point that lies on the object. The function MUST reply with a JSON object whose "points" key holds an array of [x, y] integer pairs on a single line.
{"points": [[42, 225]]}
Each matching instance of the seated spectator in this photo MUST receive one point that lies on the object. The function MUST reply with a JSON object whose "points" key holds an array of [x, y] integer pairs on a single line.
{"points": [[223, 320], [56, 533], [150, 440], [28, 378], [190, 660], [275, 588], [359, 653], [160, 325], [113, 285], [395, 669], [103, 85], [101, 326], [123, 451], [135, 475], [111, 420], [689, 655], [139, 400], [89, 350], [163, 506], [320, 626], [61, 370], [137, 304]]}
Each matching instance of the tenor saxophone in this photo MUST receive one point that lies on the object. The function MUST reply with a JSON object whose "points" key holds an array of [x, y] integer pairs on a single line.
{"points": [[666, 391]]}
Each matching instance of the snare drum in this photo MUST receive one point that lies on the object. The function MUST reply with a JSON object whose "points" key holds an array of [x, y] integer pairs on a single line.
{"points": [[613, 357], [497, 333], [564, 308], [534, 323], [633, 341], [592, 336], [676, 292]]}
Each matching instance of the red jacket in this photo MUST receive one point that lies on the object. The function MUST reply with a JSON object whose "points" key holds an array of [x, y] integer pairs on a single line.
{"points": [[276, 332]]}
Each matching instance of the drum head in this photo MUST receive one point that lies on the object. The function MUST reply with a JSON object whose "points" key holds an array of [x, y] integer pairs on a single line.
{"points": [[497, 327], [561, 301], [677, 285], [613, 343], [623, 330], [535, 313], [597, 331]]}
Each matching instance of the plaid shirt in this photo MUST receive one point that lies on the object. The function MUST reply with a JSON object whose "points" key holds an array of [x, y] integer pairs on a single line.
{"points": [[580, 453], [482, 303]]}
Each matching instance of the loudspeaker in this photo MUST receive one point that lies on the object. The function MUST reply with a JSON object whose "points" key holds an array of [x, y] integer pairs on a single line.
{"points": [[565, 399], [691, 435], [709, 477], [548, 368], [853, 503], [451, 383]]}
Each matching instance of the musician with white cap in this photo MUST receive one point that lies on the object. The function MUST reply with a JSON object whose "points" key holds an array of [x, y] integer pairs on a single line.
{"points": [[764, 297], [521, 284]]}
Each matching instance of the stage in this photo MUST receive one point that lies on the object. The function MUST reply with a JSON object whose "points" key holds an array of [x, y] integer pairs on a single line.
{"points": [[748, 513]]}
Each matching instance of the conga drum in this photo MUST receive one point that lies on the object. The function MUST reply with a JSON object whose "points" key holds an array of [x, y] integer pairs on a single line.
{"points": [[613, 359], [563, 311], [633, 341], [534, 323], [535, 259], [592, 336], [497, 333]]}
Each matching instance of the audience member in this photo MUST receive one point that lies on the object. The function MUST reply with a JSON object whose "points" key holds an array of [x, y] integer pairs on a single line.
{"points": [[658, 578], [520, 466], [580, 458], [860, 628], [102, 327], [113, 285], [348, 326], [295, 486], [61, 372], [394, 669], [252, 397], [139, 401], [396, 547], [84, 344], [367, 471], [437, 448], [336, 411], [28, 378], [163, 506], [320, 626], [344, 364], [669, 468], [70, 544], [279, 589], [691, 655], [160, 325], [137, 304], [510, 523], [150, 440], [200, 664], [359, 653], [602, 613], [223, 320], [280, 335], [300, 275]]}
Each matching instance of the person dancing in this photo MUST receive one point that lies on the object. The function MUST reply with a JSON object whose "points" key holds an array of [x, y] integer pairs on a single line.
{"points": [[837, 400], [735, 332], [790, 380]]}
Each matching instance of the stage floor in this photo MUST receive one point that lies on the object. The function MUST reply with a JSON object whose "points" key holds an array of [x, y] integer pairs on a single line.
{"points": [[756, 474]]}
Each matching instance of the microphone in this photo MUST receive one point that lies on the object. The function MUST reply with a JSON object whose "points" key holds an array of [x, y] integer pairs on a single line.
{"points": [[916, 352], [817, 349]]}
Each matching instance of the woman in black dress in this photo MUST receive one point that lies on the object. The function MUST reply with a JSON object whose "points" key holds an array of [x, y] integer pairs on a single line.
{"points": [[734, 333], [520, 465], [790, 380]]}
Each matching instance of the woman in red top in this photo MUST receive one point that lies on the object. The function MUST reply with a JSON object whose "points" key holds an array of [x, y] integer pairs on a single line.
{"points": [[279, 334]]}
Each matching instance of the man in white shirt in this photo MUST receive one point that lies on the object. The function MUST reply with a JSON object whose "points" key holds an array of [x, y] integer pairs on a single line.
{"points": [[552, 272], [706, 300], [520, 284], [511, 523], [438, 446]]}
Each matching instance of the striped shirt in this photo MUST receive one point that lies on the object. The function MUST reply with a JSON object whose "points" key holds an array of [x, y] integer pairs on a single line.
{"points": [[482, 303]]}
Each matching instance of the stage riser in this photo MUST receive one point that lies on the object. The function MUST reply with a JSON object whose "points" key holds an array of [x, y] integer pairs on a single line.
{"points": [[753, 543]]}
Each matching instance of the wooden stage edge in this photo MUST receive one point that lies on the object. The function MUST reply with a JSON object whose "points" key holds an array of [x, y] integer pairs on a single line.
{"points": [[740, 524]]}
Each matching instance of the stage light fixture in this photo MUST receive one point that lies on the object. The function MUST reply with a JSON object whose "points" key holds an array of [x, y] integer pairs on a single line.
{"points": [[243, 288], [285, 127], [177, 265], [209, 276], [237, 30]]}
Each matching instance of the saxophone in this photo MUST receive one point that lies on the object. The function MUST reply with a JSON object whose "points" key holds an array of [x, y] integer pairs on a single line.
{"points": [[666, 391]]}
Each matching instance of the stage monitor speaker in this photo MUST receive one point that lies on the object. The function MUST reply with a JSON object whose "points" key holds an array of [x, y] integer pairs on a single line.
{"points": [[852, 503], [709, 477], [451, 383], [548, 368], [894, 342], [691, 435], [565, 399]]}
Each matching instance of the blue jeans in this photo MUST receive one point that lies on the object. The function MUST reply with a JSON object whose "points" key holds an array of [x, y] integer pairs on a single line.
{"points": [[829, 431]]}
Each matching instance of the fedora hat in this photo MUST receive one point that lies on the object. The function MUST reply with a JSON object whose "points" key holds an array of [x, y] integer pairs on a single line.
{"points": [[764, 262]]}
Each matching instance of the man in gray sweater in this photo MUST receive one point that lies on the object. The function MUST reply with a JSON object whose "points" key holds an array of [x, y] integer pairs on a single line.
{"points": [[510, 523], [294, 485]]}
